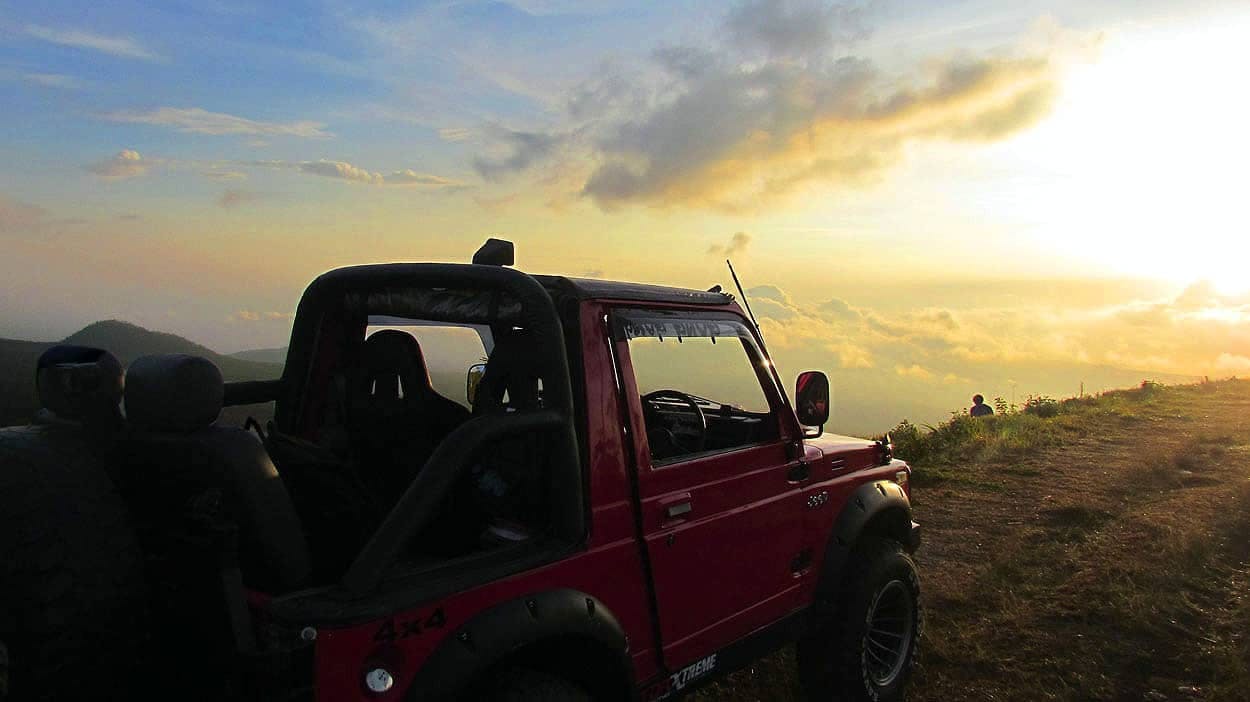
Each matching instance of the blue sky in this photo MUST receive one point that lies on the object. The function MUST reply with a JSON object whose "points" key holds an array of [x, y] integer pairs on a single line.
{"points": [[1045, 167]]}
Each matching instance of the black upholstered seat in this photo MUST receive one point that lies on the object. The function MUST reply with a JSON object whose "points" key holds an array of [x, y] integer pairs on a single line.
{"points": [[175, 456], [395, 417]]}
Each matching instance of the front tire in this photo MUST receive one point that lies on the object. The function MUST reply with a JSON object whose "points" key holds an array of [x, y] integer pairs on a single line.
{"points": [[866, 654]]}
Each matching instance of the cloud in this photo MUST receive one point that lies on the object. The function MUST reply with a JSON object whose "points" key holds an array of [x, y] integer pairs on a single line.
{"points": [[455, 134], [520, 150], [200, 121], [129, 164], [254, 316], [914, 371], [794, 27], [542, 8], [126, 164], [1233, 362], [19, 216], [232, 198], [53, 80], [114, 46], [737, 244], [410, 177], [340, 169], [343, 170], [840, 309], [226, 175], [774, 107], [734, 136]]}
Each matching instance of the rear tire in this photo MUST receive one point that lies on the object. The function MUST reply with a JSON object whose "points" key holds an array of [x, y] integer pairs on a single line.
{"points": [[72, 611], [527, 685], [866, 654]]}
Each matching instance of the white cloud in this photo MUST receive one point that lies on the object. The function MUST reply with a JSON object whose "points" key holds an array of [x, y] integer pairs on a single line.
{"points": [[773, 108], [115, 46], [340, 169], [411, 177], [200, 121], [126, 164], [343, 170]]}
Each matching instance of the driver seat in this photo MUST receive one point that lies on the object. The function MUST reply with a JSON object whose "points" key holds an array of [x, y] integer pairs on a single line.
{"points": [[395, 417]]}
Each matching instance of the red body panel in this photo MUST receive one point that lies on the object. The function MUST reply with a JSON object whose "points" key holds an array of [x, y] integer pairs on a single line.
{"points": [[723, 569]]}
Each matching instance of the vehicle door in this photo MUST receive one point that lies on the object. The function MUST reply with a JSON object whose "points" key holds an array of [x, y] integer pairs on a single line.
{"points": [[720, 506]]}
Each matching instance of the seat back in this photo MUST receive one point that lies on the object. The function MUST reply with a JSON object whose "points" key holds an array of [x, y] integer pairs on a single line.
{"points": [[175, 457], [395, 417]]}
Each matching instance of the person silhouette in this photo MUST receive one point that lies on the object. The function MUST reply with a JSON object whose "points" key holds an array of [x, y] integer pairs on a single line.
{"points": [[979, 408]]}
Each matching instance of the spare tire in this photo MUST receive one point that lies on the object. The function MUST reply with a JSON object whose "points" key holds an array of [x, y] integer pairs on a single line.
{"points": [[72, 606]]}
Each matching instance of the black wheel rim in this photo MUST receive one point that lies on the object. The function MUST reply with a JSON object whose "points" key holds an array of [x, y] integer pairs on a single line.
{"points": [[887, 642]]}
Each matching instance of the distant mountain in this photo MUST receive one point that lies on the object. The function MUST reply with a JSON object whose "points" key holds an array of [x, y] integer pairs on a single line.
{"points": [[18, 400], [274, 355], [128, 342]]}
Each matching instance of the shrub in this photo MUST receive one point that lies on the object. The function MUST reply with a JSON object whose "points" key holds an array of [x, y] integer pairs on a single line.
{"points": [[1042, 406]]}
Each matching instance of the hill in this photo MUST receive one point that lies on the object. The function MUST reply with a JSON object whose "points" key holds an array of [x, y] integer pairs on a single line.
{"points": [[127, 341], [274, 355], [1089, 549]]}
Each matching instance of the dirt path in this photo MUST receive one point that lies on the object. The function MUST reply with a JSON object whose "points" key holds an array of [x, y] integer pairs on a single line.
{"points": [[1112, 566]]}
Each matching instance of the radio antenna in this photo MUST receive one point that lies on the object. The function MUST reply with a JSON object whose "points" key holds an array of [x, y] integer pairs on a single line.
{"points": [[746, 302]]}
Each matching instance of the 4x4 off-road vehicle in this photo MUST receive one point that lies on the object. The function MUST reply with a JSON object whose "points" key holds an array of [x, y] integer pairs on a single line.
{"points": [[625, 506]]}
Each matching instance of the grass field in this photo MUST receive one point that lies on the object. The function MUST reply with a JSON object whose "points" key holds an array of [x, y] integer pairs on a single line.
{"points": [[1102, 553]]}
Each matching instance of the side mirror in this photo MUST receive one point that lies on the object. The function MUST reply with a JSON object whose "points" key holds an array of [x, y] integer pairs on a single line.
{"points": [[811, 398], [476, 372]]}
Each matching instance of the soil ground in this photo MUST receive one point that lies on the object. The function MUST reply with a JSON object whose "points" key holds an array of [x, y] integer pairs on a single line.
{"points": [[1109, 562]]}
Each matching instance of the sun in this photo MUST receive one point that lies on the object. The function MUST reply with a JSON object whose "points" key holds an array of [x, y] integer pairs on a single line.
{"points": [[1141, 168]]}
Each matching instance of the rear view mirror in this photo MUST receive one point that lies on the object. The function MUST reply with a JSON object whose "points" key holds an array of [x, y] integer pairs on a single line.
{"points": [[476, 371], [811, 398]]}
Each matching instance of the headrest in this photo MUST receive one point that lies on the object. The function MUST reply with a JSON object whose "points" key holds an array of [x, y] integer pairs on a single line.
{"points": [[173, 392], [395, 351], [389, 355], [79, 382]]}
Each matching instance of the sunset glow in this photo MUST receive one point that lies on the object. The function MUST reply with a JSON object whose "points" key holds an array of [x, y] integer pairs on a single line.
{"points": [[929, 200]]}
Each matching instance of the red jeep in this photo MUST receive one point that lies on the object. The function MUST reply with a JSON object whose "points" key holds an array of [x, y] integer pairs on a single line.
{"points": [[628, 508]]}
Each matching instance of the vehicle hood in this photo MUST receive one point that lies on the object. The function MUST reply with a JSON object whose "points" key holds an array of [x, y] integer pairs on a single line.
{"points": [[841, 451]]}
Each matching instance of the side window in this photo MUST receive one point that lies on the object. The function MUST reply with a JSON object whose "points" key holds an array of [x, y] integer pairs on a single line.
{"points": [[699, 384], [447, 352]]}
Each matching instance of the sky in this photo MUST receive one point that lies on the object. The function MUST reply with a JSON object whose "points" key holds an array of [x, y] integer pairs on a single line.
{"points": [[925, 199]]}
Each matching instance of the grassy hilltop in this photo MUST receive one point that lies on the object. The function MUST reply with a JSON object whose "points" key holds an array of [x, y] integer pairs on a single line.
{"points": [[1089, 549]]}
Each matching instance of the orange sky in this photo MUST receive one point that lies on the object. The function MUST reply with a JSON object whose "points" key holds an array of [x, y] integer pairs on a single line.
{"points": [[929, 198]]}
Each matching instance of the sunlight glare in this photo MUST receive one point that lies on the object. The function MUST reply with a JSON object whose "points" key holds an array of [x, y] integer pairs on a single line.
{"points": [[1143, 161]]}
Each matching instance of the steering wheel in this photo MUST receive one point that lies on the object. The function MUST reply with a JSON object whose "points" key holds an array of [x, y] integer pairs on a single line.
{"points": [[700, 424]]}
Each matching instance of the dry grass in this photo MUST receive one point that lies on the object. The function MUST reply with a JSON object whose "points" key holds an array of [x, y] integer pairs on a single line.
{"points": [[1102, 554]]}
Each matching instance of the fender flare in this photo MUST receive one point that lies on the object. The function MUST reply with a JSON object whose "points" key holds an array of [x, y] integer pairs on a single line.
{"points": [[865, 504], [499, 631]]}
